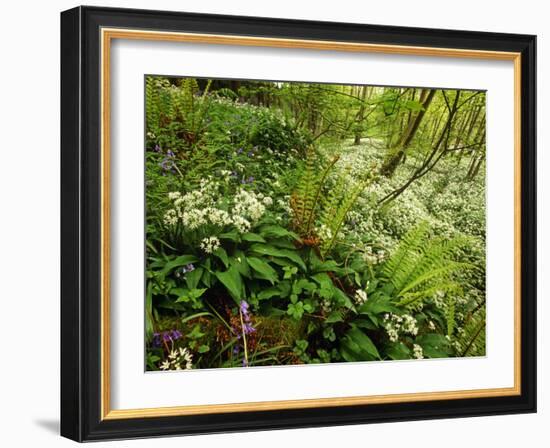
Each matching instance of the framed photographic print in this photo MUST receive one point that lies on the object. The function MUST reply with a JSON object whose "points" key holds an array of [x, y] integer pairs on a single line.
{"points": [[275, 224]]}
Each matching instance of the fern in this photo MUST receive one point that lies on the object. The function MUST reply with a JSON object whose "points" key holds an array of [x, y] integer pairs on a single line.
{"points": [[472, 341], [450, 317], [421, 267], [336, 215], [308, 194]]}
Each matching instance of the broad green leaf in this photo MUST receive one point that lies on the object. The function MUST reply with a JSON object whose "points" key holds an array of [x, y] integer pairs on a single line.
{"points": [[253, 237], [269, 293], [434, 345], [266, 249], [262, 268], [232, 280], [182, 260], [276, 231], [377, 304], [190, 295], [222, 255], [192, 278], [398, 350], [231, 236], [240, 262], [365, 344], [335, 316]]}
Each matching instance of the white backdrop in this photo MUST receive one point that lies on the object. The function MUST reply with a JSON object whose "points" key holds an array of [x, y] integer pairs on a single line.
{"points": [[29, 179]]}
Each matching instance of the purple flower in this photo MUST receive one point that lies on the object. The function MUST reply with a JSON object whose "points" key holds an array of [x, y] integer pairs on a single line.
{"points": [[240, 150], [157, 148], [247, 181], [176, 334], [170, 154], [250, 154], [166, 336], [166, 164], [244, 308], [156, 340], [187, 268]]}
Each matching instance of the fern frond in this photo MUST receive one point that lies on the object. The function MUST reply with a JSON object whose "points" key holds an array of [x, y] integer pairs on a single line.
{"points": [[409, 250], [450, 317], [422, 267], [472, 340], [335, 221]]}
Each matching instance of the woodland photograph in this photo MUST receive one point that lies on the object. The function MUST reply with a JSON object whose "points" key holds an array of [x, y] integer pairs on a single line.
{"points": [[300, 223]]}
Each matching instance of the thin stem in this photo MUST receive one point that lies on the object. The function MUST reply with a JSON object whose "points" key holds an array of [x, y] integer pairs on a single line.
{"points": [[244, 338]]}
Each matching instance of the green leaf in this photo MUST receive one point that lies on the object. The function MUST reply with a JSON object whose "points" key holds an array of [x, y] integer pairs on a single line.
{"points": [[266, 249], [240, 262], [366, 324], [195, 333], [265, 271], [232, 281], [196, 315], [296, 310], [335, 316], [398, 350], [270, 231], [303, 284], [192, 278], [367, 349], [232, 236], [182, 260], [222, 255], [377, 304], [342, 298], [190, 295], [434, 345], [149, 310], [253, 237], [323, 266], [204, 348], [269, 293]]}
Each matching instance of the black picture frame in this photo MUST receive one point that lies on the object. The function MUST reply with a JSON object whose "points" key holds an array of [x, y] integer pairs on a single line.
{"points": [[81, 224]]}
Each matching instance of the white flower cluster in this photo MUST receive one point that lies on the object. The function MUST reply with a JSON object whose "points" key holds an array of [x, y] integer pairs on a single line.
{"points": [[210, 244], [418, 353], [324, 232], [207, 206], [399, 324], [438, 298], [371, 257], [360, 296], [178, 359]]}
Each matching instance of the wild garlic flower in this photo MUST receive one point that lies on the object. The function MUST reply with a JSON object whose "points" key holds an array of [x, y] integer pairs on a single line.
{"points": [[173, 195], [208, 206], [210, 244], [360, 296], [399, 324], [324, 232], [178, 359], [418, 353]]}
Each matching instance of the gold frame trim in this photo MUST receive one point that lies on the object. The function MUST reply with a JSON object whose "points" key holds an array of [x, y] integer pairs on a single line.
{"points": [[107, 35]]}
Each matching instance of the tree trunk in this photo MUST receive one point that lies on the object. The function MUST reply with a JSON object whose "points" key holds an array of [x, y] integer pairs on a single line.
{"points": [[360, 116], [397, 154]]}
